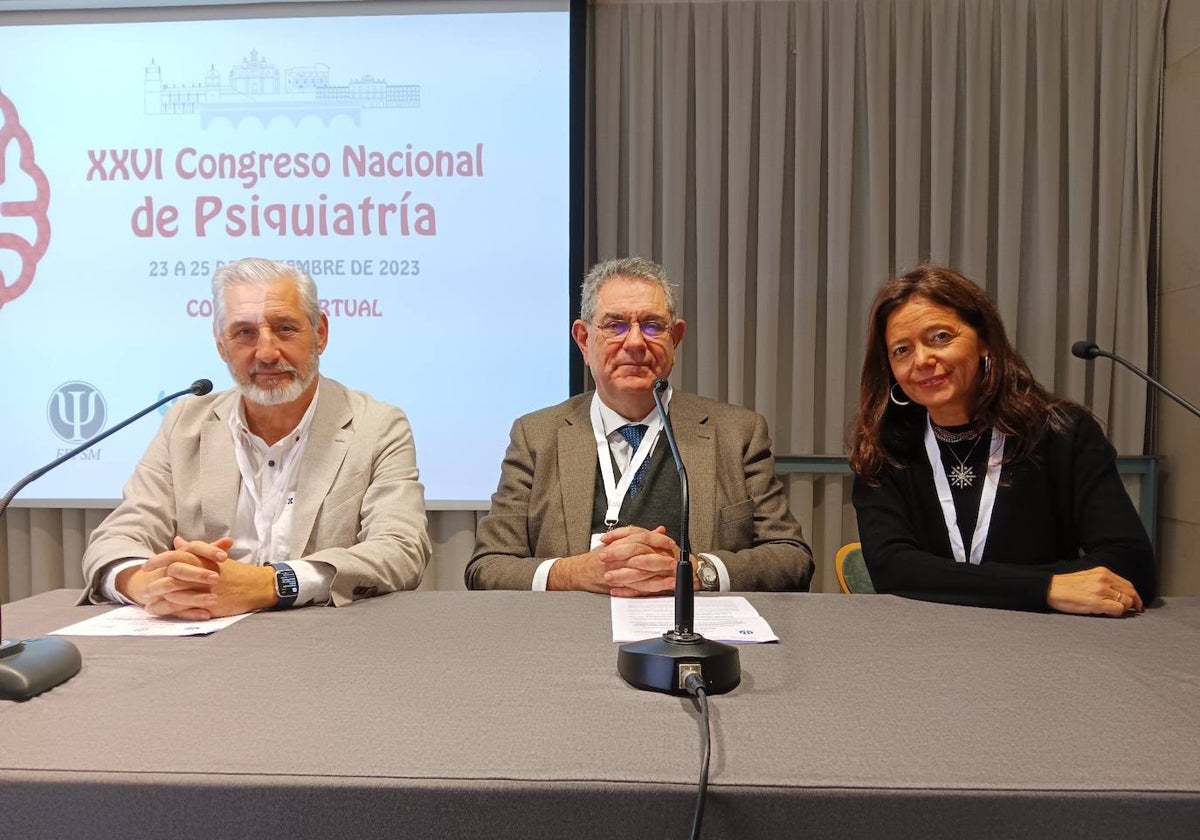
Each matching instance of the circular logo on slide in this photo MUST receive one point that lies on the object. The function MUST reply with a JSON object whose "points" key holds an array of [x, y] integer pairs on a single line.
{"points": [[76, 411], [24, 200]]}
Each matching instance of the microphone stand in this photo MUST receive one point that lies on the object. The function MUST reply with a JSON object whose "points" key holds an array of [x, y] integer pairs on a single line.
{"points": [[30, 666], [1089, 350], [663, 664]]}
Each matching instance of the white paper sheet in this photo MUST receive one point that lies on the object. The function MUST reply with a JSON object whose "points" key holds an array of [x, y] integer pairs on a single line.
{"points": [[723, 619], [135, 621]]}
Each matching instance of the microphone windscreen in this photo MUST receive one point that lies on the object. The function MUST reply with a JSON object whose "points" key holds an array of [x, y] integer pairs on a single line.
{"points": [[201, 387], [1085, 349]]}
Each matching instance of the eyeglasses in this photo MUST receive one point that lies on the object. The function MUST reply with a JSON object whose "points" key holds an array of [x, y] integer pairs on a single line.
{"points": [[652, 329]]}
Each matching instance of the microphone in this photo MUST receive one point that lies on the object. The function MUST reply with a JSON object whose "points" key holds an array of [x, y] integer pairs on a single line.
{"points": [[685, 596], [1090, 350], [30, 666], [665, 663]]}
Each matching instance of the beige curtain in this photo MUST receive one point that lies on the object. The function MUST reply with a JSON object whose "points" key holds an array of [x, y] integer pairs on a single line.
{"points": [[782, 158]]}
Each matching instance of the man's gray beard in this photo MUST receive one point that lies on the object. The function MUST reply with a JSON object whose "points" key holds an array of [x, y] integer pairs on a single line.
{"points": [[276, 396]]}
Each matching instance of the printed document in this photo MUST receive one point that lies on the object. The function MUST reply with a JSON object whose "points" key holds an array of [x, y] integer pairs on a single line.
{"points": [[135, 621], [722, 618]]}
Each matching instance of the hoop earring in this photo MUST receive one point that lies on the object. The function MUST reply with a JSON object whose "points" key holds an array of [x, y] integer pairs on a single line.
{"points": [[892, 396]]}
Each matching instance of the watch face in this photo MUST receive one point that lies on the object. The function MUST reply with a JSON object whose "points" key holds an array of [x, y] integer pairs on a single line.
{"points": [[286, 583], [708, 575]]}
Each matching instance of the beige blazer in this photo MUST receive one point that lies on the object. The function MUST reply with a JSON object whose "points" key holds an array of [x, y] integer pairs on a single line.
{"points": [[360, 504], [543, 505]]}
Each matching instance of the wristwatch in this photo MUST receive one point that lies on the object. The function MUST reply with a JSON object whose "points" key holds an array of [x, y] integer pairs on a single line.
{"points": [[710, 581], [287, 585]]}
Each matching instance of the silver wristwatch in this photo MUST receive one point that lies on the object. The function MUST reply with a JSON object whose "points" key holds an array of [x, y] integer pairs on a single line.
{"points": [[710, 581]]}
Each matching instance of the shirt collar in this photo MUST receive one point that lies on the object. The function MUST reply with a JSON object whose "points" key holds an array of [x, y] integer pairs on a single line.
{"points": [[237, 422], [613, 421]]}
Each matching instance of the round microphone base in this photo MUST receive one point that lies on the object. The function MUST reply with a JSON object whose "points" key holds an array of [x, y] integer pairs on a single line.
{"points": [[29, 667], [661, 664]]}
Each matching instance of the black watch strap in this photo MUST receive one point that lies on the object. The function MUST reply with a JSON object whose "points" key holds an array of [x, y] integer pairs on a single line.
{"points": [[287, 585]]}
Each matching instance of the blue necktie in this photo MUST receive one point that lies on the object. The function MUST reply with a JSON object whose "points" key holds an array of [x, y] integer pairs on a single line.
{"points": [[633, 435]]}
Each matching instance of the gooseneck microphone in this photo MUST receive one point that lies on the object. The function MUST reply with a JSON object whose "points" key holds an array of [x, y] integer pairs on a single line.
{"points": [[30, 666], [1090, 350], [200, 387], [664, 664], [685, 606]]}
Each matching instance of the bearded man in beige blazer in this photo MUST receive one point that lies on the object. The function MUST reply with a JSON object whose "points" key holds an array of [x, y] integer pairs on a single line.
{"points": [[589, 497], [288, 490]]}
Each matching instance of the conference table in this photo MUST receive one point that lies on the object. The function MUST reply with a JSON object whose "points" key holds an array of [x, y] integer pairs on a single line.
{"points": [[501, 714]]}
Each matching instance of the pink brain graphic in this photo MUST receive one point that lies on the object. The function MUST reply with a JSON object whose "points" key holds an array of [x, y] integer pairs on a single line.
{"points": [[33, 209]]}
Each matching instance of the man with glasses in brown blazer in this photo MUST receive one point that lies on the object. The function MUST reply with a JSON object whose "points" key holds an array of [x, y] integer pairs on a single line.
{"points": [[589, 496]]}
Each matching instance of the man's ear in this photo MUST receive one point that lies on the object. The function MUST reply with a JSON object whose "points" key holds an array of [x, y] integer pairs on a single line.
{"points": [[677, 331], [579, 332], [322, 333]]}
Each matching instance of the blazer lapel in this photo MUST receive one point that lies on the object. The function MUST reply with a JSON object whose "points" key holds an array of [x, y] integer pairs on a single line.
{"points": [[328, 441], [220, 478], [577, 476], [697, 447]]}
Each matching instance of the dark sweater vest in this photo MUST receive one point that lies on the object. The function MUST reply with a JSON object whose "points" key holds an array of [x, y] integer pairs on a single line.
{"points": [[657, 500]]}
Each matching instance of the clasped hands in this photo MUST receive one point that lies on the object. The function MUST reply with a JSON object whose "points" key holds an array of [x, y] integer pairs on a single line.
{"points": [[629, 562], [197, 581]]}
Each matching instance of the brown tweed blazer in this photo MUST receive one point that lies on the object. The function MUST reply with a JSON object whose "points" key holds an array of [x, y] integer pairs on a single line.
{"points": [[543, 505]]}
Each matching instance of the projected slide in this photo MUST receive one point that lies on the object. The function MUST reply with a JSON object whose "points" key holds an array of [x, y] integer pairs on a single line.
{"points": [[415, 165]]}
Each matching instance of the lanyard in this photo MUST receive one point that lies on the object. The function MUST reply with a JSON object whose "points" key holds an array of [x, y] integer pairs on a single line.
{"points": [[615, 491], [987, 501]]}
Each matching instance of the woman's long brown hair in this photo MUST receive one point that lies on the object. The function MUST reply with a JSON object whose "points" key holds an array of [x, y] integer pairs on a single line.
{"points": [[1008, 398]]}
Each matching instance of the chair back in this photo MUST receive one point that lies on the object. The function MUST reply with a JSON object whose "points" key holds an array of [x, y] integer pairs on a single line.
{"points": [[851, 569]]}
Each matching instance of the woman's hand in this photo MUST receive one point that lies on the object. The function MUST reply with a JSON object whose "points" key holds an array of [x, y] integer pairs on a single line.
{"points": [[1093, 591]]}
